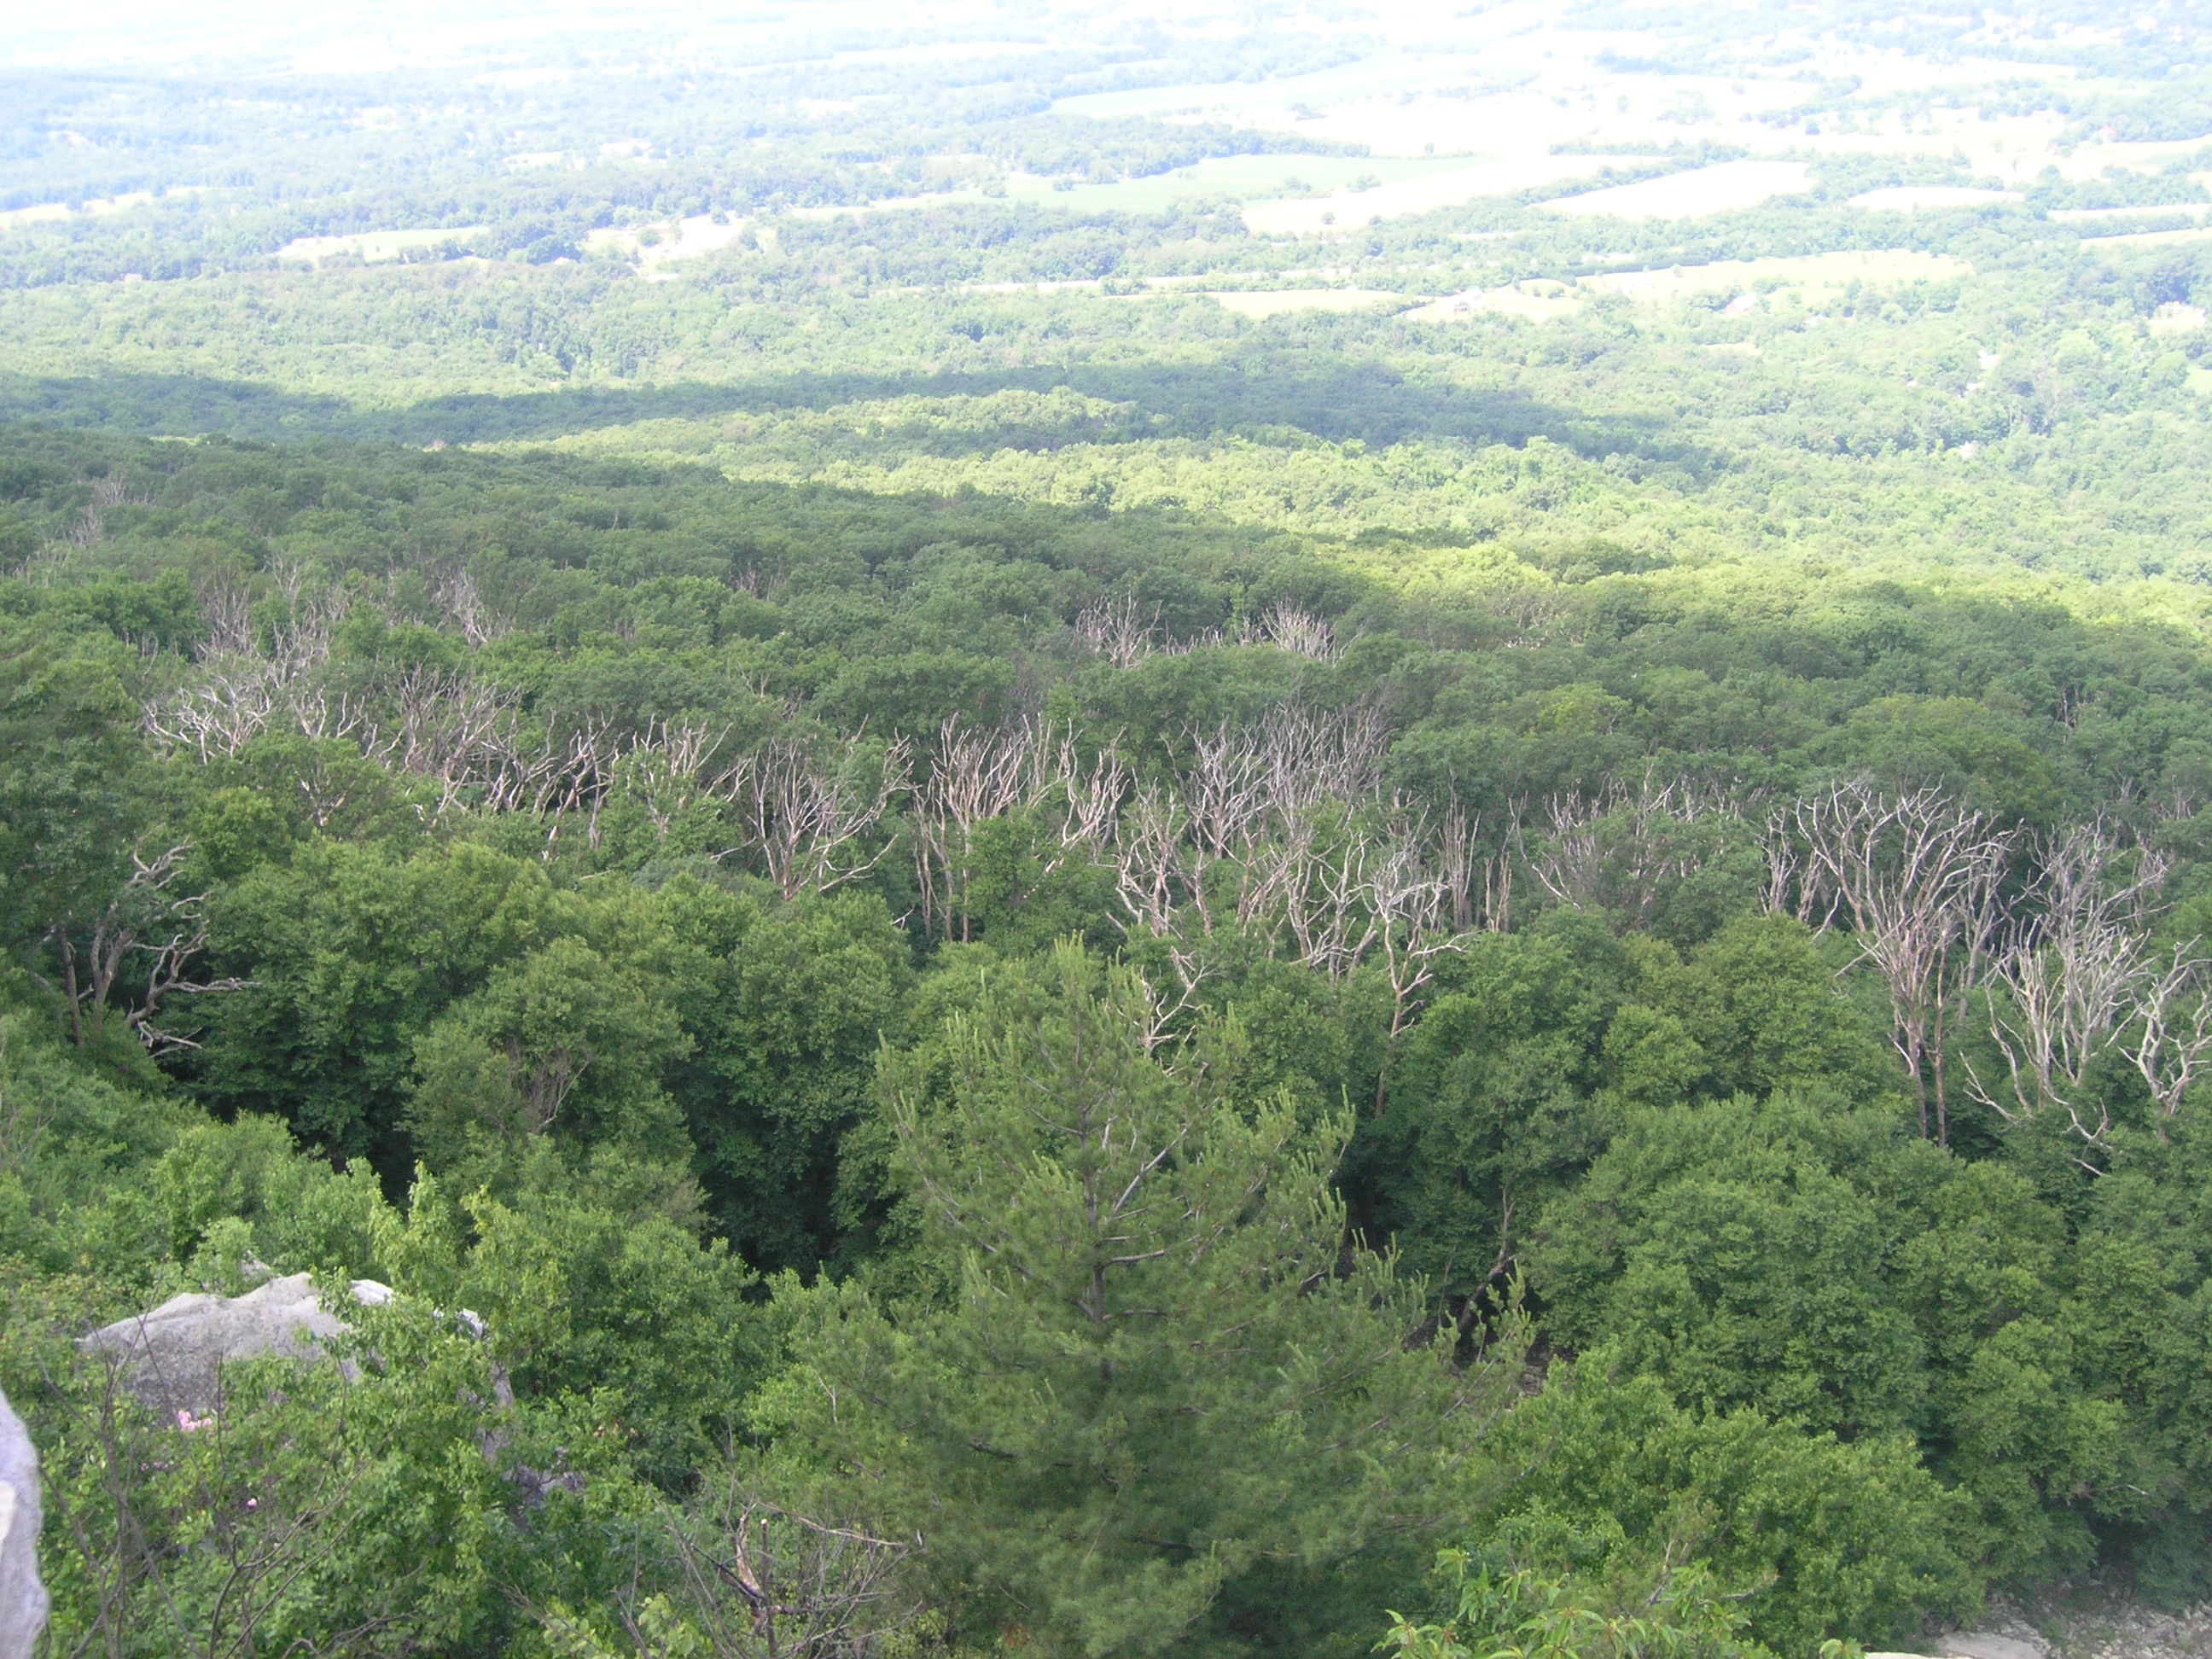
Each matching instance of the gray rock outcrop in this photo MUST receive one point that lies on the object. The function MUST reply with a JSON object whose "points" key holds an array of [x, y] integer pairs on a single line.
{"points": [[1975, 1644], [172, 1357], [1986, 1645], [2096, 1626], [22, 1599]]}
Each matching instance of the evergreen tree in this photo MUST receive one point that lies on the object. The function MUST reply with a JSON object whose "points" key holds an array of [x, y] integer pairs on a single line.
{"points": [[1170, 1399]]}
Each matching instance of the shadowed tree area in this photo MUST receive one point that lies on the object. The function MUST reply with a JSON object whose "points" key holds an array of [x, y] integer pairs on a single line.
{"points": [[1252, 392]]}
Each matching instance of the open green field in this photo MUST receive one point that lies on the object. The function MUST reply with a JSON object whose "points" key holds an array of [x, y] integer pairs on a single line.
{"points": [[374, 246], [1236, 179]]}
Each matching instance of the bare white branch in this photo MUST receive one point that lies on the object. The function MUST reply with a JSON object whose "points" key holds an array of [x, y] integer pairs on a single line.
{"points": [[809, 821], [1916, 876], [2074, 980]]}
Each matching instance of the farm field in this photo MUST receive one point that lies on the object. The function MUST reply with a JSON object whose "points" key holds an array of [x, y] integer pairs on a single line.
{"points": [[1239, 179], [1693, 195], [1273, 302], [1443, 184], [653, 246], [1810, 278], [374, 246]]}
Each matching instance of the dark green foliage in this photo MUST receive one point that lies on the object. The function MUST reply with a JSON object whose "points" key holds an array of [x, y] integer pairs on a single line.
{"points": [[1551, 1038], [1808, 1534], [1158, 1387], [1827, 1269]]}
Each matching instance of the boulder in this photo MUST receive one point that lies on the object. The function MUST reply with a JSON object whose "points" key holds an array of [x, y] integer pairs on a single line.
{"points": [[22, 1598], [1974, 1645], [1986, 1645], [171, 1357]]}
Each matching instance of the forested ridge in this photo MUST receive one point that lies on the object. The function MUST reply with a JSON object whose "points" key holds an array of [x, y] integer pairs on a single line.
{"points": [[974, 878], [623, 887]]}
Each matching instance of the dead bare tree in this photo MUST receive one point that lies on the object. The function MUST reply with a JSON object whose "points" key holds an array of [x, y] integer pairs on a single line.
{"points": [[313, 610], [733, 1575], [114, 492], [2175, 1036], [1315, 754], [1458, 858], [1784, 856], [552, 777], [218, 717], [1328, 922], [811, 820], [1617, 849], [1085, 797], [1159, 877], [2074, 981], [463, 602], [147, 922], [231, 704], [974, 776], [1157, 873], [1299, 632], [227, 607], [1229, 789], [1261, 834], [1412, 930], [452, 728], [666, 768], [1241, 782], [795, 1586], [1916, 876], [1570, 867], [1531, 610], [1119, 629], [239, 691], [1480, 884]]}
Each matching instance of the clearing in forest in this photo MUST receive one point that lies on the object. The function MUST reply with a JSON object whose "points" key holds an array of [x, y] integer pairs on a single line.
{"points": [[1691, 195]]}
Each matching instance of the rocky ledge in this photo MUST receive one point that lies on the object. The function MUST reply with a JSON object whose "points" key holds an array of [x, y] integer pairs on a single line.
{"points": [[22, 1599]]}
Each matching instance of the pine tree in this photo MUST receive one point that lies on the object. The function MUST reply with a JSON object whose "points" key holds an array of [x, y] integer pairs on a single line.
{"points": [[1168, 1379]]}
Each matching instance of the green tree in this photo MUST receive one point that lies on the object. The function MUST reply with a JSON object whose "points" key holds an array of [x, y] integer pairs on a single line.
{"points": [[786, 1005], [1530, 1614], [1814, 1536], [563, 1045], [1827, 1268], [1166, 1396], [79, 796], [597, 1294], [354, 953]]}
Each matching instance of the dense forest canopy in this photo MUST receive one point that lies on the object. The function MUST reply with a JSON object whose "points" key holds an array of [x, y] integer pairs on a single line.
{"points": [[1231, 831]]}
